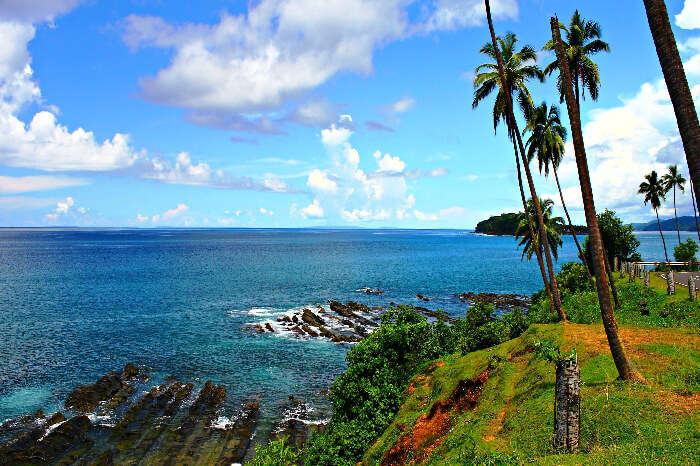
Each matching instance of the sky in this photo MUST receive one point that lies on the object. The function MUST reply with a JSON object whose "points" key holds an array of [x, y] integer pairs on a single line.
{"points": [[306, 113]]}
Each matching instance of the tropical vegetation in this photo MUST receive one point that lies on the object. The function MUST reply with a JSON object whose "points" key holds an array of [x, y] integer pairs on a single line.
{"points": [[553, 225], [654, 192]]}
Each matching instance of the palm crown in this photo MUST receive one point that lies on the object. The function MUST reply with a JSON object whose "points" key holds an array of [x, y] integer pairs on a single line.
{"points": [[673, 179], [653, 189], [519, 67], [547, 137], [552, 227], [582, 39]]}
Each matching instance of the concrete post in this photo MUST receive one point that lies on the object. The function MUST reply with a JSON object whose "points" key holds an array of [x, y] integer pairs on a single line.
{"points": [[646, 278], [623, 266], [691, 289], [567, 406], [670, 284]]}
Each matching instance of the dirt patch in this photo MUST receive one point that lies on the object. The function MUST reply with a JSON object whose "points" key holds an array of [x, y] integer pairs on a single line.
{"points": [[678, 403], [522, 352], [429, 430], [495, 426]]}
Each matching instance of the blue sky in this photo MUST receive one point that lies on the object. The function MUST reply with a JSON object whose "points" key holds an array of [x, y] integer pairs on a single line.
{"points": [[304, 113]]}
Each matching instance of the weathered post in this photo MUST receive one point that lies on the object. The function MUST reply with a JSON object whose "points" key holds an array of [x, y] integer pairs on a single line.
{"points": [[670, 284], [646, 278], [616, 264], [623, 266], [630, 270], [567, 406], [691, 289]]}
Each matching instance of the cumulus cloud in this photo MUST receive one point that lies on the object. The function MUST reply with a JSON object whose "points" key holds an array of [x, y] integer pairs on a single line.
{"points": [[689, 17], [345, 192], [260, 60], [141, 218], [623, 144], [67, 211], [23, 184]]}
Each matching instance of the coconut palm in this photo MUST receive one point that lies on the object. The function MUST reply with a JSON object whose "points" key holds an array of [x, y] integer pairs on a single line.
{"points": [[552, 226], [617, 349], [546, 142], [510, 118], [672, 180], [519, 67], [678, 89], [654, 192], [695, 209], [582, 41]]}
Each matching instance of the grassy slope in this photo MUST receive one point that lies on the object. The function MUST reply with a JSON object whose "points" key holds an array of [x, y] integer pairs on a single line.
{"points": [[512, 420]]}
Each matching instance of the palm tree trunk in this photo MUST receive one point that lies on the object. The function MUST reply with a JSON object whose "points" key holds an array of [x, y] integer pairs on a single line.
{"points": [[613, 288], [623, 365], [528, 174], [695, 210], [677, 84], [661, 233], [540, 262], [571, 227], [675, 214]]}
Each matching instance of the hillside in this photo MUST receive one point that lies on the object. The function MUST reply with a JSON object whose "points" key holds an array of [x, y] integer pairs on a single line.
{"points": [[495, 406], [685, 223]]}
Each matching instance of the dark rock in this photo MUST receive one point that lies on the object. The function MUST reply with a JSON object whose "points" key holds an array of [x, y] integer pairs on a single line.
{"points": [[312, 319], [308, 330], [501, 301], [422, 298], [269, 327], [55, 419], [295, 319], [258, 328], [85, 398]]}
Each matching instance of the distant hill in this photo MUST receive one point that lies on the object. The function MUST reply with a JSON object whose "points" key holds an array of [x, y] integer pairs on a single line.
{"points": [[506, 224], [685, 223]]}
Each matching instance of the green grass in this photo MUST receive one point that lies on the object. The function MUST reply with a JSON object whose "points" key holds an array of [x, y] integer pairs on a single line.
{"points": [[622, 423]]}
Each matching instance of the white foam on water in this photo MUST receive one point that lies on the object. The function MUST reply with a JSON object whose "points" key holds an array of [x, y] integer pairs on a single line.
{"points": [[222, 423], [50, 429], [261, 312]]}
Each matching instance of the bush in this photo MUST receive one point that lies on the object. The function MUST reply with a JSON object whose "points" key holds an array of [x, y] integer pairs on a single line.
{"points": [[276, 453], [618, 239], [573, 278], [685, 251]]}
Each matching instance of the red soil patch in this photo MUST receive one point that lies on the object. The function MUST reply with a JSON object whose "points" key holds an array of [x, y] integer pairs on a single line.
{"points": [[429, 430], [495, 426]]}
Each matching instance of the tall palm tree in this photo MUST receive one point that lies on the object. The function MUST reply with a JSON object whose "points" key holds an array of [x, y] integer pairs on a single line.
{"points": [[519, 67], [546, 142], [672, 180], [654, 192], [624, 368], [582, 41], [552, 226], [695, 209], [510, 118], [677, 84]]}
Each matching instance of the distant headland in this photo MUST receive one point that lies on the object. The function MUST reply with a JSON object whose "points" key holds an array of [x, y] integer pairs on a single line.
{"points": [[506, 224]]}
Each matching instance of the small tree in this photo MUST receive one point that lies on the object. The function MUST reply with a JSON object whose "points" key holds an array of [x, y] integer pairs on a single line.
{"points": [[618, 239], [685, 252]]}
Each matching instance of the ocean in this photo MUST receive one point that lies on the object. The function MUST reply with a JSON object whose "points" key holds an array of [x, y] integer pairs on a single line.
{"points": [[77, 303]]}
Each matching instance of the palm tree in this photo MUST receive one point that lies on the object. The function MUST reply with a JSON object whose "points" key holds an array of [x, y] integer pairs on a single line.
{"points": [[519, 66], [582, 41], [654, 192], [510, 118], [677, 84], [546, 141], [617, 348], [671, 180], [695, 209], [552, 226]]}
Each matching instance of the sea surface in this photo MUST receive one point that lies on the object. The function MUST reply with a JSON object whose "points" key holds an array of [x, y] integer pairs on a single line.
{"points": [[75, 304]]}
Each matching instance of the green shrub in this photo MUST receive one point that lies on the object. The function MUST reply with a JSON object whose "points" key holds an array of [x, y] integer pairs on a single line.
{"points": [[573, 278], [685, 251], [276, 453]]}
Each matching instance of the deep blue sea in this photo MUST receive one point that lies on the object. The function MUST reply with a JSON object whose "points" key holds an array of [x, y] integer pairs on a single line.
{"points": [[75, 304]]}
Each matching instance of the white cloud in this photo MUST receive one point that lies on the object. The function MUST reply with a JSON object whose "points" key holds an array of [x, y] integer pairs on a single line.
{"points": [[67, 211], [689, 17], [31, 11], [403, 105], [170, 213], [24, 202], [389, 163], [335, 135], [141, 218], [313, 210], [454, 14], [264, 211], [23, 184], [623, 144], [318, 181], [258, 61]]}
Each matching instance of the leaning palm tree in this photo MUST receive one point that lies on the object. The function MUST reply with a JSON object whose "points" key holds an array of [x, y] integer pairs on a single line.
{"points": [[617, 349], [678, 89], [546, 142], [582, 40], [672, 180], [695, 209], [513, 126], [519, 68], [654, 192], [553, 225]]}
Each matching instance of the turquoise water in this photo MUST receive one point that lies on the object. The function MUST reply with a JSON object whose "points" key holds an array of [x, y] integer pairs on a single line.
{"points": [[78, 303]]}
